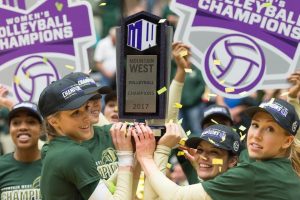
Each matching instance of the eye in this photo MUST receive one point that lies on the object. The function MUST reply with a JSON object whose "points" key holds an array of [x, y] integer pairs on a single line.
{"points": [[199, 151], [15, 122], [254, 125], [75, 113], [270, 129], [214, 153]]}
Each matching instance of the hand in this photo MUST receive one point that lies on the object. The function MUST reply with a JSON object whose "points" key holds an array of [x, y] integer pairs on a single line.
{"points": [[121, 136], [181, 61], [144, 141], [295, 88], [4, 100], [189, 154], [172, 135]]}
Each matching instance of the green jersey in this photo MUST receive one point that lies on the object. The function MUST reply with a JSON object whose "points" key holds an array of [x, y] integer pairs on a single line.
{"points": [[272, 179], [19, 180], [103, 151], [69, 171]]}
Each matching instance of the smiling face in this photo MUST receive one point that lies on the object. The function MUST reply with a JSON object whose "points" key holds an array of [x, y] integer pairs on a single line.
{"points": [[95, 109], [206, 152], [266, 139], [25, 130], [73, 123], [111, 111]]}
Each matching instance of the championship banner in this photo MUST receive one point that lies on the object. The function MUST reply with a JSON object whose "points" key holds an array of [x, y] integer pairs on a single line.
{"points": [[41, 41], [241, 45]]}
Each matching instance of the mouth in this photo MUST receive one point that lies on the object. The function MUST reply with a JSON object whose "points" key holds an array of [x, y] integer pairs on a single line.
{"points": [[95, 112], [86, 127], [23, 137], [255, 146], [115, 117], [205, 166]]}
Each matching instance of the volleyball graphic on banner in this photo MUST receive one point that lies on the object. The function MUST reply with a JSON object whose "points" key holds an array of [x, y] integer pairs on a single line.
{"points": [[234, 61], [32, 75]]}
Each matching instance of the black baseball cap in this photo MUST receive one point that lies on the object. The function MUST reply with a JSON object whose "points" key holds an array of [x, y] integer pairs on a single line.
{"points": [[215, 110], [282, 112], [110, 97], [25, 106], [60, 95], [87, 83], [221, 136]]}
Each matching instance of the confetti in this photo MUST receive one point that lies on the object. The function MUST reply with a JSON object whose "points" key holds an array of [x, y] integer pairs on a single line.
{"points": [[111, 186], [182, 141], [116, 109], [242, 128], [211, 141], [183, 53], [180, 121], [268, 4], [214, 121], [169, 165], [27, 75], [212, 95], [178, 105], [102, 4], [162, 90], [223, 138], [45, 59], [59, 6], [70, 67], [187, 70], [222, 81], [243, 93], [228, 90], [284, 94], [243, 137], [220, 169], [180, 153], [272, 100], [17, 80], [161, 21], [171, 121], [204, 158], [217, 62], [234, 129], [217, 161], [188, 133]]}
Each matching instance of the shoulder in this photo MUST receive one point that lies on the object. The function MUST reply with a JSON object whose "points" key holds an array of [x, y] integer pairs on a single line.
{"points": [[6, 159], [105, 129]]}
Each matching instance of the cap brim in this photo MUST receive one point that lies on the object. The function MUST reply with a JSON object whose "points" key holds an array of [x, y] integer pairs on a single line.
{"points": [[252, 110], [193, 142], [33, 112], [77, 103], [100, 90]]}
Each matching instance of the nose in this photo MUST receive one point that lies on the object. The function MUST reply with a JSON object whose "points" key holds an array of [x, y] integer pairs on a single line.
{"points": [[257, 133], [23, 126]]}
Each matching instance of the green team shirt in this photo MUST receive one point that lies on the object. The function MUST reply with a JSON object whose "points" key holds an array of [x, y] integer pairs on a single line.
{"points": [[103, 151], [69, 171], [18, 180], [267, 180]]}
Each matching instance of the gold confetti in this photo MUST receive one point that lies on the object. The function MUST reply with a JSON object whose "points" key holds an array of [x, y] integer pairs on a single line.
{"points": [[243, 137], [272, 100], [178, 105], [211, 141], [171, 121], [234, 129], [187, 70], [204, 158], [27, 75], [214, 121], [180, 153], [243, 93], [169, 165], [217, 161], [180, 121], [222, 81], [161, 21], [59, 6], [182, 141], [102, 4], [188, 133], [162, 90], [223, 138], [229, 89], [284, 94], [217, 62], [220, 169], [17, 80], [212, 95], [45, 59], [183, 53], [242, 128], [70, 67], [116, 109], [265, 5]]}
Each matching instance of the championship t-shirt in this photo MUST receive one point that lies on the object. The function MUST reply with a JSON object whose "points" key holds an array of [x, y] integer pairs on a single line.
{"points": [[261, 180], [69, 171], [103, 151], [19, 180]]}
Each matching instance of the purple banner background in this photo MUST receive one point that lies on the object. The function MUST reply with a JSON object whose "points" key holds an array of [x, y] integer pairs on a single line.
{"points": [[206, 18], [75, 15]]}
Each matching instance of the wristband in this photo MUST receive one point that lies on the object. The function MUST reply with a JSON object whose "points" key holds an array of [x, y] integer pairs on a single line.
{"points": [[125, 158]]}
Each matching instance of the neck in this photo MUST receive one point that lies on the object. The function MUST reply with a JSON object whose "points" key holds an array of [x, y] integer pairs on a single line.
{"points": [[27, 155]]}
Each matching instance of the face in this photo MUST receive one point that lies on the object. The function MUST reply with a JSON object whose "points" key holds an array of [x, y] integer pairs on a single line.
{"points": [[266, 139], [95, 109], [206, 152], [73, 123], [25, 130], [111, 111]]}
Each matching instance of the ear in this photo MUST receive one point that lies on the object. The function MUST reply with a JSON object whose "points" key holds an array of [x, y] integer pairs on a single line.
{"points": [[233, 160], [288, 141], [53, 121]]}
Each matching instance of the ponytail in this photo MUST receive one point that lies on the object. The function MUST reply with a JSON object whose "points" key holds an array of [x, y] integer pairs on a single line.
{"points": [[50, 130], [295, 155]]}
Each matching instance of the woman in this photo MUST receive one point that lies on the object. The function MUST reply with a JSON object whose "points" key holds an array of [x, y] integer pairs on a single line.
{"points": [[20, 171], [69, 170], [271, 142]]}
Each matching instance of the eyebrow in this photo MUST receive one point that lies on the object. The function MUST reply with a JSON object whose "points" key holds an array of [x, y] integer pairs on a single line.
{"points": [[267, 120]]}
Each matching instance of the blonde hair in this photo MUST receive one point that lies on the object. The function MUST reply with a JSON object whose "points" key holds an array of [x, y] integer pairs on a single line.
{"points": [[295, 155], [49, 129]]}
